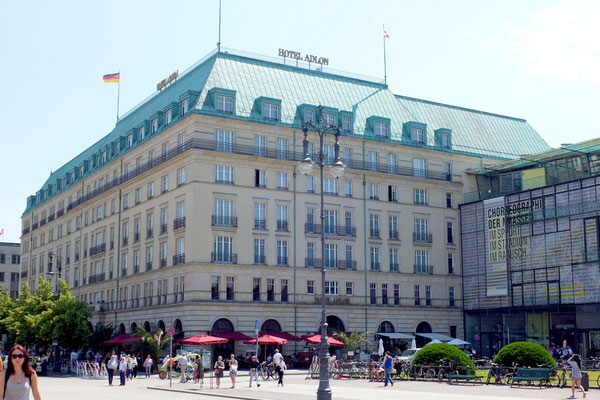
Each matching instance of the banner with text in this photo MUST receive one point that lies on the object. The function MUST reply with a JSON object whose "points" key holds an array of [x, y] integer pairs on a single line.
{"points": [[495, 245]]}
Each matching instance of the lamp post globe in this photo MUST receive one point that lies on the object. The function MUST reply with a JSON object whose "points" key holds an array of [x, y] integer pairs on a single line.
{"points": [[306, 166], [337, 169]]}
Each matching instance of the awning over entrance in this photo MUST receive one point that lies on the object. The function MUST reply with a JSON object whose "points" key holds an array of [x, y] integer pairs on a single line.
{"points": [[397, 335], [231, 335], [283, 335], [122, 339], [434, 336]]}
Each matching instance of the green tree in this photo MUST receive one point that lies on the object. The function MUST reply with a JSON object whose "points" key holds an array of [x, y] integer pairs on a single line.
{"points": [[6, 304], [354, 340], [68, 319], [524, 354], [101, 334], [152, 343], [30, 312]]}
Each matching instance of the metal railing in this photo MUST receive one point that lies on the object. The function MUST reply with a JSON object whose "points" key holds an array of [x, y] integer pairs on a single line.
{"points": [[330, 263], [149, 233], [226, 258], [179, 223], [333, 230], [96, 278], [259, 260], [260, 224], [163, 229], [178, 259], [421, 237], [220, 220], [423, 269], [99, 249]]}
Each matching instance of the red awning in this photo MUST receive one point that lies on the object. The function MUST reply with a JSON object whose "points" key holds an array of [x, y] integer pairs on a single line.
{"points": [[203, 340], [230, 335], [125, 338], [316, 339], [283, 335], [267, 340]]}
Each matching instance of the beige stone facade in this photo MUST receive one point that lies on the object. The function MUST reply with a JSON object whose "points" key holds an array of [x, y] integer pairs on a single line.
{"points": [[10, 267], [90, 241]]}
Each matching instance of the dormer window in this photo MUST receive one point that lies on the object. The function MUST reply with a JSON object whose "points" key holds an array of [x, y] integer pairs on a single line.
{"points": [[446, 140], [169, 116], [381, 129], [81, 170], [417, 135], [154, 125], [142, 132], [104, 157], [129, 141], [346, 123], [224, 104], [184, 107], [329, 118], [270, 111], [309, 116]]}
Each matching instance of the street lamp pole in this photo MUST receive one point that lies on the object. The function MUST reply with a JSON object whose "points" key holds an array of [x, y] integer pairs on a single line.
{"points": [[337, 170]]}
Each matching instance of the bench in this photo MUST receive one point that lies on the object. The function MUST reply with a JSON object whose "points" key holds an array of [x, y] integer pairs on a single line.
{"points": [[541, 375], [466, 378]]}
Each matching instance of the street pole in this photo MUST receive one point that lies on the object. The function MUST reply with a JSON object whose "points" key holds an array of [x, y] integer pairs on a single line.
{"points": [[171, 361]]}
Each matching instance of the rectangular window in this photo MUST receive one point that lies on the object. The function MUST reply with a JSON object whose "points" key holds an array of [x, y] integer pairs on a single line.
{"points": [[260, 178], [224, 213], [427, 295], [373, 225], [349, 288], [224, 141], [270, 111], [260, 146], [373, 292], [282, 149], [349, 257], [282, 180], [375, 253], [330, 223], [448, 200], [396, 294], [150, 190], [422, 262], [420, 167], [329, 153], [154, 126], [223, 249], [393, 227], [184, 107], [420, 196], [129, 141], [373, 191], [450, 263], [346, 123], [394, 263], [163, 254], [230, 289], [282, 218], [348, 188], [181, 176], [392, 193], [259, 251], [223, 174], [450, 232], [330, 186], [392, 163], [384, 293], [381, 129], [451, 296], [282, 252], [373, 158], [309, 116], [168, 116], [310, 254], [164, 220], [331, 256], [445, 140], [214, 290], [448, 170], [310, 287], [417, 135], [138, 197], [329, 118], [331, 288], [255, 289], [348, 157], [310, 184], [225, 104], [270, 289], [284, 290], [164, 184], [260, 221], [421, 233], [417, 295]]}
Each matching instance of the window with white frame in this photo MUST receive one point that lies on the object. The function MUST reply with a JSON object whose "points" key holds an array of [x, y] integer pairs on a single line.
{"points": [[329, 118], [309, 116], [169, 116], [224, 141], [282, 180], [181, 176], [392, 163], [224, 104], [282, 217], [223, 174], [422, 261], [381, 129], [331, 288], [310, 286], [346, 123], [420, 196], [417, 135], [154, 125], [394, 263], [420, 167], [270, 111], [348, 157], [180, 246], [310, 254], [373, 156], [282, 149], [260, 145], [373, 191], [330, 186], [349, 288], [310, 183], [184, 107], [129, 141], [348, 188], [445, 140], [331, 255], [260, 216], [282, 252], [375, 253], [223, 249], [259, 251], [223, 212]]}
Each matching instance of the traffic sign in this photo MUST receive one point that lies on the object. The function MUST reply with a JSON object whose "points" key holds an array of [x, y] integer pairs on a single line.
{"points": [[256, 323], [171, 331], [476, 337]]}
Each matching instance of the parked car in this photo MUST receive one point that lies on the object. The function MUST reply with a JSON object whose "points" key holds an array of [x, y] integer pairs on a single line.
{"points": [[408, 355]]}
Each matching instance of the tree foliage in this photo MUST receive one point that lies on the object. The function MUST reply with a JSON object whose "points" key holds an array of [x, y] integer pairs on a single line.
{"points": [[152, 343], [441, 353], [524, 354], [352, 341], [101, 334]]}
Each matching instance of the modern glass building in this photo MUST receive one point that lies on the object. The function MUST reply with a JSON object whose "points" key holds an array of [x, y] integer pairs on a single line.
{"points": [[530, 251]]}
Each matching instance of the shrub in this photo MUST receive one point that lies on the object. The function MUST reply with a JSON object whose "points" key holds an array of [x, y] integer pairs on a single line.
{"points": [[442, 353], [524, 354]]}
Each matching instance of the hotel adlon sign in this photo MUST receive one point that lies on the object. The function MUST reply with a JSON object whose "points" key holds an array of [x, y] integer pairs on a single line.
{"points": [[296, 55]]}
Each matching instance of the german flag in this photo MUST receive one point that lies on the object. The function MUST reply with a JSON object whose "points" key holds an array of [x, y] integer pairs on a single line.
{"points": [[112, 77]]}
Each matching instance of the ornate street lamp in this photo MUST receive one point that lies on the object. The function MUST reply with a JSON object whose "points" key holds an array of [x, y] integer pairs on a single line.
{"points": [[337, 170]]}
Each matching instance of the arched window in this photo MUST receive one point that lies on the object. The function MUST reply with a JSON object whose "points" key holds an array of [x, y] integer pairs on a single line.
{"points": [[334, 324], [161, 326], [222, 325], [147, 326], [386, 327], [423, 327], [121, 330], [133, 327], [178, 326], [270, 325]]}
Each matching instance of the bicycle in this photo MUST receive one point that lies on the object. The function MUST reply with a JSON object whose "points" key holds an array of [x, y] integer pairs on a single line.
{"points": [[499, 374], [266, 371]]}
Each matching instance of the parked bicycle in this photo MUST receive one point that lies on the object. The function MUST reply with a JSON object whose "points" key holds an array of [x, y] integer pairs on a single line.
{"points": [[266, 371]]}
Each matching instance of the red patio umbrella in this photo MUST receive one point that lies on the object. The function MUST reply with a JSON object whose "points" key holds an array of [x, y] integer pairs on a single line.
{"points": [[267, 340], [122, 339], [203, 340], [316, 339]]}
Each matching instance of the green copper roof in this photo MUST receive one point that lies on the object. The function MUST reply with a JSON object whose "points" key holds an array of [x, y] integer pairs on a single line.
{"points": [[254, 77]]}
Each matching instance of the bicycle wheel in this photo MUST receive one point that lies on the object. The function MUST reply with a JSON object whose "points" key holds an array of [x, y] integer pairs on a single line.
{"points": [[489, 377], [430, 374], [263, 374]]}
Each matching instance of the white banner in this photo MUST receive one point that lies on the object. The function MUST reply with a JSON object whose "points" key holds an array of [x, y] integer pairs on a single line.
{"points": [[495, 246]]}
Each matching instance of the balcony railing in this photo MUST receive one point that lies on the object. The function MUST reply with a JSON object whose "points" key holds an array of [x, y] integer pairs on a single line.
{"points": [[220, 220], [60, 213], [42, 222], [34, 226], [97, 278], [124, 272], [125, 240], [260, 224], [24, 274], [283, 261], [333, 230], [374, 233], [394, 235], [163, 229], [423, 269], [149, 233], [163, 262], [136, 237], [179, 223], [330, 263], [421, 237], [375, 266], [178, 259], [136, 268], [25, 231], [51, 217], [148, 265], [282, 225], [99, 249], [226, 258], [259, 260]]}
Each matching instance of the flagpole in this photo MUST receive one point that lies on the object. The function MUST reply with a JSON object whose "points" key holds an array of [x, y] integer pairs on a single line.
{"points": [[118, 95], [219, 42], [384, 60]]}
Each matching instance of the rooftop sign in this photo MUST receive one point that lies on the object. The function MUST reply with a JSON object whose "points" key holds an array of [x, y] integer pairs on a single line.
{"points": [[160, 85], [296, 55]]}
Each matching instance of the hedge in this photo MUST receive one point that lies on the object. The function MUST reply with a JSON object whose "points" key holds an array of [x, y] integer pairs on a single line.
{"points": [[442, 353], [524, 354]]}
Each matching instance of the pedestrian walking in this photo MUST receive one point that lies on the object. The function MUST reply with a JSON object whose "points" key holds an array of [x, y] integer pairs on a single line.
{"points": [[128, 375], [111, 366], [219, 367], [575, 363], [198, 370], [134, 366], [233, 368], [19, 379], [148, 362], [254, 371], [183, 366], [387, 367], [282, 367], [122, 370]]}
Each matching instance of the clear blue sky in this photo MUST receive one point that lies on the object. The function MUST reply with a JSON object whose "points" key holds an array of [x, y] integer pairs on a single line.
{"points": [[538, 60]]}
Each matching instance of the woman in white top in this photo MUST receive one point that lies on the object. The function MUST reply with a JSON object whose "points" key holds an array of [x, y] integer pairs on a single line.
{"points": [[575, 363], [19, 378]]}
